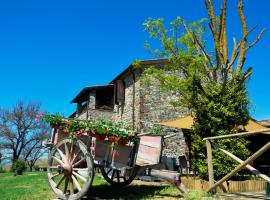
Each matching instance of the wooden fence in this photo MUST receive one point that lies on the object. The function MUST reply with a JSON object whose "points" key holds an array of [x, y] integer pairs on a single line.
{"points": [[231, 186]]}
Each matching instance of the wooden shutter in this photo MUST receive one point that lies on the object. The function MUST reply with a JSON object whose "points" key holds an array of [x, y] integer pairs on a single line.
{"points": [[120, 92]]}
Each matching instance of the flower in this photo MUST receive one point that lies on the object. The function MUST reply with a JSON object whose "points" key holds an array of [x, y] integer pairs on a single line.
{"points": [[99, 128], [38, 116], [78, 133]]}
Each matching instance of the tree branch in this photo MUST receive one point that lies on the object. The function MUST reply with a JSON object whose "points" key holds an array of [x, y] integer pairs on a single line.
{"points": [[256, 40]]}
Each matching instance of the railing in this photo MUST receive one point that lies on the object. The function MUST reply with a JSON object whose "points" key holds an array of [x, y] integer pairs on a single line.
{"points": [[243, 164]]}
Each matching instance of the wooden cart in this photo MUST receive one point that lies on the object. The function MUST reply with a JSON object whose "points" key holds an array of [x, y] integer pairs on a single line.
{"points": [[71, 163]]}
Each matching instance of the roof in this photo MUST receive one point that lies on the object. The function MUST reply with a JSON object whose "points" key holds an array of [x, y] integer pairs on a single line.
{"points": [[183, 123], [265, 122], [187, 122], [73, 115], [131, 68], [83, 94]]}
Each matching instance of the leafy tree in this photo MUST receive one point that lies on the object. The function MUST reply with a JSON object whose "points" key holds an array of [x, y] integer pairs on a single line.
{"points": [[21, 134], [210, 82]]}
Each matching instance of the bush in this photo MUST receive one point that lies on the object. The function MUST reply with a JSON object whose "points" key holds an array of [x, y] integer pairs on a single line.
{"points": [[18, 167], [2, 171], [220, 114]]}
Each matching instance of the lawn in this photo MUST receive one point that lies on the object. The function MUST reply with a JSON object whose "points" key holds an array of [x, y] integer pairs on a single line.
{"points": [[32, 186]]}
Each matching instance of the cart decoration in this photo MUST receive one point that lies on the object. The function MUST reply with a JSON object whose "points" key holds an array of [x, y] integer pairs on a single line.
{"points": [[78, 146], [115, 132]]}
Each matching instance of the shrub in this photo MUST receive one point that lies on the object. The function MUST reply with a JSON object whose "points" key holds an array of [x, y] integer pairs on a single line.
{"points": [[18, 167]]}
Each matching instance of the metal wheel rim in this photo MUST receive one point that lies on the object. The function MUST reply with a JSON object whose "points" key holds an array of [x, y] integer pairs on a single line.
{"points": [[71, 161]]}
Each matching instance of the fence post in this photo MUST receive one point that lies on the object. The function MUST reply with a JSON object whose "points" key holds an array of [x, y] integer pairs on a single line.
{"points": [[268, 187], [210, 163]]}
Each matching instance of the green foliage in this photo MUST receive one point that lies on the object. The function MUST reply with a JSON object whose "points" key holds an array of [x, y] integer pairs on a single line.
{"points": [[100, 127], [18, 167], [220, 115], [215, 95], [199, 195], [55, 119], [155, 130], [136, 64]]}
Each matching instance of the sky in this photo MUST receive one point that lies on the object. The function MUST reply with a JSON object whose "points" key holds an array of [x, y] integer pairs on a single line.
{"points": [[51, 49]]}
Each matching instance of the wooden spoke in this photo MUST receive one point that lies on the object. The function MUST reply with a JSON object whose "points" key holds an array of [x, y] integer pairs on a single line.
{"points": [[66, 185], [79, 162], [64, 158], [109, 171], [74, 157], [113, 173], [55, 175], [66, 151], [76, 183], [54, 167], [118, 176], [61, 180], [71, 151], [59, 161], [71, 186], [115, 177], [79, 176], [80, 169]]}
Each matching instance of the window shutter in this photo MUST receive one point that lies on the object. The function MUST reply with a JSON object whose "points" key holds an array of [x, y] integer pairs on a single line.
{"points": [[120, 92]]}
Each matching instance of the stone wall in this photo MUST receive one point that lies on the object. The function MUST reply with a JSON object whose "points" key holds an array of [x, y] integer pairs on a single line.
{"points": [[144, 106], [129, 111], [175, 146]]}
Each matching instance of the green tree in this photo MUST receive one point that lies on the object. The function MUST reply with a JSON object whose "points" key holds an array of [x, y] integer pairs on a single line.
{"points": [[210, 82]]}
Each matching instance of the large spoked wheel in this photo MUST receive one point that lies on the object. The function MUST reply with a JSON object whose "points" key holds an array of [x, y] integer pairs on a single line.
{"points": [[70, 169], [116, 178]]}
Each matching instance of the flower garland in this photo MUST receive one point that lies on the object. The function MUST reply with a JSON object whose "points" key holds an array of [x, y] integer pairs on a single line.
{"points": [[114, 132]]}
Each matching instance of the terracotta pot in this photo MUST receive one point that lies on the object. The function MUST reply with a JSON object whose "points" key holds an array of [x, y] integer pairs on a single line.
{"points": [[113, 139], [102, 136], [123, 142], [99, 136], [65, 130], [54, 126]]}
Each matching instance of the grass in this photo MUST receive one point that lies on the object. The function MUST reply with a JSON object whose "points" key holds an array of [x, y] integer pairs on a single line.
{"points": [[29, 186], [32, 186]]}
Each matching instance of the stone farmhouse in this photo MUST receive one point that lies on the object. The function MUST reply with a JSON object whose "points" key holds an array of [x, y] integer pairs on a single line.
{"points": [[129, 99], [140, 105]]}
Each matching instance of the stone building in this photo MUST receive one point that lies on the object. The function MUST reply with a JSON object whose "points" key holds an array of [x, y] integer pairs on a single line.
{"points": [[129, 99]]}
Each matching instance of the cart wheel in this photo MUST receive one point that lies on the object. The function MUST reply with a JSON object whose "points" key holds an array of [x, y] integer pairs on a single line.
{"points": [[115, 178], [70, 169]]}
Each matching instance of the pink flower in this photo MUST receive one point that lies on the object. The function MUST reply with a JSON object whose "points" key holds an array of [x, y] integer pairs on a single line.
{"points": [[38, 116], [78, 133]]}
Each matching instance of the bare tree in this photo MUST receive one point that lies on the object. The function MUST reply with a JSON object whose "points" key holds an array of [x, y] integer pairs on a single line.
{"points": [[21, 134], [1, 160], [33, 152]]}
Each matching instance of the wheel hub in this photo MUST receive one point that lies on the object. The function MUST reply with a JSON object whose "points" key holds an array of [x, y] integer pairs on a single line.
{"points": [[67, 168]]}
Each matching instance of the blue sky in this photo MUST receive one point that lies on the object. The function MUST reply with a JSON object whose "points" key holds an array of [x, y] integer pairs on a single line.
{"points": [[51, 49]]}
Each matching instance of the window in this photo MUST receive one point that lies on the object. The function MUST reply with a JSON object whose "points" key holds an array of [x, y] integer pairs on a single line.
{"points": [[104, 98]]}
